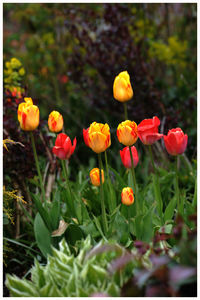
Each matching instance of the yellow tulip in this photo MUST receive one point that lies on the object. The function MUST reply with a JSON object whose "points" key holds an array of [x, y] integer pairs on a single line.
{"points": [[122, 89], [127, 133], [127, 196], [55, 121], [28, 115], [95, 176], [99, 137]]}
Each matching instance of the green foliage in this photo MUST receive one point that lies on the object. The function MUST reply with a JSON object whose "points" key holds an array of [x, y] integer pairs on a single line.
{"points": [[65, 275]]}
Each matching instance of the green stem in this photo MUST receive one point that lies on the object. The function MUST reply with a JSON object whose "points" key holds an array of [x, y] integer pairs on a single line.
{"points": [[134, 180], [177, 187], [37, 165], [156, 185], [152, 161], [194, 203], [125, 111], [67, 185], [112, 199], [105, 224], [129, 217]]}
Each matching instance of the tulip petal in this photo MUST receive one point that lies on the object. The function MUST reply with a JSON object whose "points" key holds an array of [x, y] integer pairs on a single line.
{"points": [[74, 146], [61, 139], [97, 142], [152, 138], [86, 136]]}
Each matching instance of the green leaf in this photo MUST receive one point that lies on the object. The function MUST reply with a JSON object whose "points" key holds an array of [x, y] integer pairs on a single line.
{"points": [[169, 211], [54, 213], [43, 213], [42, 235], [20, 287], [73, 233]]}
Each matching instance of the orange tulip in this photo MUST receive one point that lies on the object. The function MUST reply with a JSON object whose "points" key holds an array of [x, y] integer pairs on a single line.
{"points": [[55, 121], [127, 133], [122, 89], [28, 115], [127, 196], [95, 176], [97, 137]]}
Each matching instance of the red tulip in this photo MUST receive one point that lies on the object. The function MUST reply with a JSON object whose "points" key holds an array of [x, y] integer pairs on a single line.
{"points": [[148, 131], [126, 157], [175, 141], [63, 147], [86, 136]]}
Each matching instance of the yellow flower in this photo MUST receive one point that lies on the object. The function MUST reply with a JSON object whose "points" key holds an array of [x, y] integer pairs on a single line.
{"points": [[127, 196], [28, 115], [122, 89], [127, 133], [99, 137], [95, 176], [55, 121]]}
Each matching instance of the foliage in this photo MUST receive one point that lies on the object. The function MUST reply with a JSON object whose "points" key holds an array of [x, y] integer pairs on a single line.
{"points": [[108, 266], [66, 275]]}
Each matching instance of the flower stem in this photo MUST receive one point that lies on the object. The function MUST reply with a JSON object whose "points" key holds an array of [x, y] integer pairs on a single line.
{"points": [[37, 166], [177, 187], [134, 179], [112, 199], [105, 224], [156, 185], [125, 111], [67, 184]]}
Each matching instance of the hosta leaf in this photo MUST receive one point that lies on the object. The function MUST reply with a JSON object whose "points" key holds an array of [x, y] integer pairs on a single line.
{"points": [[20, 287]]}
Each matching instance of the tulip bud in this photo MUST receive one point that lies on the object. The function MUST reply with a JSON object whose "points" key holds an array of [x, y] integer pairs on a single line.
{"points": [[55, 121], [63, 146], [127, 196], [175, 141], [126, 157], [28, 115], [97, 137], [148, 131], [122, 89], [127, 133], [95, 176]]}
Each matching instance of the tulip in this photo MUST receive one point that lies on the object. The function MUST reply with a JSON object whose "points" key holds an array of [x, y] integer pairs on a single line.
{"points": [[126, 157], [122, 89], [28, 115], [127, 196], [127, 133], [55, 121], [175, 141], [95, 176], [63, 147], [97, 137], [148, 131]]}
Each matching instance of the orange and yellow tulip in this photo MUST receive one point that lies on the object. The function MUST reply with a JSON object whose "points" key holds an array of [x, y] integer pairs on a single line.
{"points": [[97, 137], [122, 89], [127, 196], [127, 133], [95, 176], [55, 121], [28, 115]]}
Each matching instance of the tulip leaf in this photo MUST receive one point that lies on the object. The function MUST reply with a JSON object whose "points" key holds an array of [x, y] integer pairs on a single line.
{"points": [[169, 211], [42, 235]]}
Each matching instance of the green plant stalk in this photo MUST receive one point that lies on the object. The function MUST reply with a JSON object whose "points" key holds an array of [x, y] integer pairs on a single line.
{"points": [[125, 111], [37, 165], [67, 185], [194, 203], [156, 185], [104, 219], [113, 203], [134, 181], [177, 187]]}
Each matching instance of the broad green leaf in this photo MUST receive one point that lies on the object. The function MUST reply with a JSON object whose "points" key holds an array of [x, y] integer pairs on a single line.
{"points": [[42, 235], [169, 211]]}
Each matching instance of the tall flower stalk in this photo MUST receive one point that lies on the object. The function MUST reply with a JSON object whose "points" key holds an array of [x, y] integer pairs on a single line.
{"points": [[112, 199], [37, 165], [134, 179], [104, 218]]}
